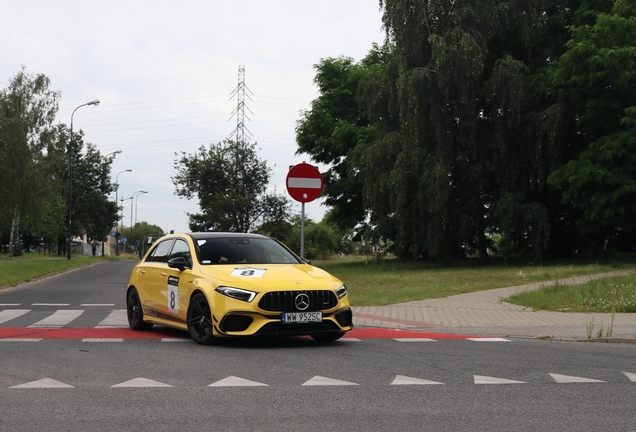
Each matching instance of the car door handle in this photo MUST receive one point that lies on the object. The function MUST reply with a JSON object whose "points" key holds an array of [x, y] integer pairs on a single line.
{"points": [[142, 271], [164, 274]]}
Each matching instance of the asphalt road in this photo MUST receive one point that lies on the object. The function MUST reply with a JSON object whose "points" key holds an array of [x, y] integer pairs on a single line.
{"points": [[363, 384]]}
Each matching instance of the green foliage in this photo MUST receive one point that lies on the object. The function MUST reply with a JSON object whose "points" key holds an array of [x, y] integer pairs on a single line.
{"points": [[321, 239], [230, 182], [334, 126], [27, 110], [465, 129], [599, 71], [34, 178]]}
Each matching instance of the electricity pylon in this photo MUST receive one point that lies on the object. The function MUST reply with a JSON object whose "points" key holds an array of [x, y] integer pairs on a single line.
{"points": [[239, 92]]}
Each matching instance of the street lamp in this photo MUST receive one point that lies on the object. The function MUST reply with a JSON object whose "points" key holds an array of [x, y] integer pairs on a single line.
{"points": [[70, 174], [115, 153], [117, 205], [122, 204], [135, 195]]}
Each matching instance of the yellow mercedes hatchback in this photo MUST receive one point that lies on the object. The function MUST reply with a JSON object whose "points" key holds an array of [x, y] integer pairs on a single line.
{"points": [[216, 285]]}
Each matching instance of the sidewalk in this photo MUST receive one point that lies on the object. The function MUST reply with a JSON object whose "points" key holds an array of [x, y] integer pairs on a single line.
{"points": [[483, 313]]}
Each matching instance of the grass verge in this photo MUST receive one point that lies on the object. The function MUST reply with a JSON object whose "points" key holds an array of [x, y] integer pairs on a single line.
{"points": [[14, 271], [616, 294], [388, 281]]}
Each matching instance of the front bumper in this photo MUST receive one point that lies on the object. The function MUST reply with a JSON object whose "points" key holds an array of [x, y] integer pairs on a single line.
{"points": [[247, 323]]}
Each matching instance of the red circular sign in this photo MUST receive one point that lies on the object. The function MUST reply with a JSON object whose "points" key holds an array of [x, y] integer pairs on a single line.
{"points": [[304, 182]]}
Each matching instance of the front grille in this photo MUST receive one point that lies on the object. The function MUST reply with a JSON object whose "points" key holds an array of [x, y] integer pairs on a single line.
{"points": [[284, 301]]}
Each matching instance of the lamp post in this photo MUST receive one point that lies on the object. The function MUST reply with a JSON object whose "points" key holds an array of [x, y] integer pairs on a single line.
{"points": [[135, 195], [122, 223], [70, 175], [114, 154], [117, 205]]}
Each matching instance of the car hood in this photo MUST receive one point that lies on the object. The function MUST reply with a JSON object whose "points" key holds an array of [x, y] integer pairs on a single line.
{"points": [[266, 277]]}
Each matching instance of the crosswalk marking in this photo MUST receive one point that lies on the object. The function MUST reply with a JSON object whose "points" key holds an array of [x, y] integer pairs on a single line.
{"points": [[9, 304], [487, 339], [103, 340], [97, 304], [51, 304], [116, 318], [20, 339], [9, 314], [414, 340], [59, 319]]}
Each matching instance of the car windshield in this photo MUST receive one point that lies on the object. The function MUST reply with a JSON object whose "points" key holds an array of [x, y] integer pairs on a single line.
{"points": [[242, 250]]}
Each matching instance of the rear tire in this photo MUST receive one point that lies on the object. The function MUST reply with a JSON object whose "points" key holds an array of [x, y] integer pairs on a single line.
{"points": [[135, 312], [327, 337], [199, 320]]}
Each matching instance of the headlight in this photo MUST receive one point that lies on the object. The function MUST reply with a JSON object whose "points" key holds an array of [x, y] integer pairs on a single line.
{"points": [[236, 293], [341, 292]]}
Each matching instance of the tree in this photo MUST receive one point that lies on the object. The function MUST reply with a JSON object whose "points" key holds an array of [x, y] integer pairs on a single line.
{"points": [[230, 182], [598, 71], [334, 126], [463, 131], [27, 110]]}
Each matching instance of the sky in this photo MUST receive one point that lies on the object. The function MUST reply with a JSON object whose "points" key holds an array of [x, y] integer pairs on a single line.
{"points": [[165, 71]]}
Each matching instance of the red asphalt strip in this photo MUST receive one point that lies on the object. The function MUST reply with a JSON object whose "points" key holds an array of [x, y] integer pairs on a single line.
{"points": [[126, 333]]}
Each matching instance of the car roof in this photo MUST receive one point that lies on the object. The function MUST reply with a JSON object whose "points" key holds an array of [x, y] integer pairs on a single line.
{"points": [[210, 235]]}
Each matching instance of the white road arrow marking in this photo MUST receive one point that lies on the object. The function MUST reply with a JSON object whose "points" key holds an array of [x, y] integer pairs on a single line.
{"points": [[142, 382], [572, 379], [233, 381], [404, 380], [480, 379], [44, 383], [324, 381], [631, 376]]}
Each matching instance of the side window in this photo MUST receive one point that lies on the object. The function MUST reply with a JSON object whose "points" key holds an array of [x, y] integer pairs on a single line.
{"points": [[181, 249], [161, 251]]}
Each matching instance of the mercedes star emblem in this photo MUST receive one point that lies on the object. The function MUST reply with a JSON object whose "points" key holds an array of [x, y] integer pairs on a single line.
{"points": [[301, 301]]}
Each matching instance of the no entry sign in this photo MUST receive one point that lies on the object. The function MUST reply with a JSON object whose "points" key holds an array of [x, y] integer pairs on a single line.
{"points": [[304, 182]]}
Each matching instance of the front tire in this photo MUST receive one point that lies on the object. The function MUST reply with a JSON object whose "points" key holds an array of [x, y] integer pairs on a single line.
{"points": [[199, 320], [327, 337], [135, 312]]}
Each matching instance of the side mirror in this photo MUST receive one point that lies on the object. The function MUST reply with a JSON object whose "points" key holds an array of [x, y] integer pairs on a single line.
{"points": [[306, 260], [178, 263]]}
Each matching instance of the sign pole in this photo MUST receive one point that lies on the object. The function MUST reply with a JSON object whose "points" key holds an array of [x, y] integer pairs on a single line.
{"points": [[302, 231], [304, 184]]}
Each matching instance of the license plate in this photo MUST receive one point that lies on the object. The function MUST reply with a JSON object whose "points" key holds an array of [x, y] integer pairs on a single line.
{"points": [[301, 317]]}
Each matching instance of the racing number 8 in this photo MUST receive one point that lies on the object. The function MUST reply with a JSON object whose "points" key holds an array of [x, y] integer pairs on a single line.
{"points": [[172, 300], [247, 273]]}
